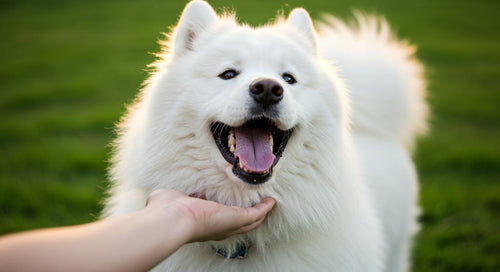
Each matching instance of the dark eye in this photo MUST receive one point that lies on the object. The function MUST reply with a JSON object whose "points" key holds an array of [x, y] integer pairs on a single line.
{"points": [[288, 78], [228, 74]]}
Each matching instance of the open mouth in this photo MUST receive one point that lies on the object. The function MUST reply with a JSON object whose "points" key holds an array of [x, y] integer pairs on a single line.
{"points": [[253, 148]]}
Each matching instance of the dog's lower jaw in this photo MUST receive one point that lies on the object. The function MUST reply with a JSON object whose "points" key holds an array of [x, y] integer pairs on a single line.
{"points": [[231, 178]]}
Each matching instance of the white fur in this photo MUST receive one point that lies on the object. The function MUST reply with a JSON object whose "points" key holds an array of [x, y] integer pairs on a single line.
{"points": [[346, 197]]}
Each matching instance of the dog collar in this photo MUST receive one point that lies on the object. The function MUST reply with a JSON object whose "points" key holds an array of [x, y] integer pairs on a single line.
{"points": [[239, 253]]}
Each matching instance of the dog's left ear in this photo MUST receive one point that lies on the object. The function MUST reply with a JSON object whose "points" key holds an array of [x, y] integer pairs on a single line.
{"points": [[299, 18], [196, 18]]}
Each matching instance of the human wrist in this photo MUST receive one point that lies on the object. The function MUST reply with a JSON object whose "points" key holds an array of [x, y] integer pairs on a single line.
{"points": [[170, 224]]}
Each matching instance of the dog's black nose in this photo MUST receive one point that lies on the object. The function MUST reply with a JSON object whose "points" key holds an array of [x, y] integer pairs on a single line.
{"points": [[266, 91]]}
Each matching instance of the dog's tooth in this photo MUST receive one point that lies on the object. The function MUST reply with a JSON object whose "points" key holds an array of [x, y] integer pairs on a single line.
{"points": [[232, 148], [271, 141], [230, 138]]}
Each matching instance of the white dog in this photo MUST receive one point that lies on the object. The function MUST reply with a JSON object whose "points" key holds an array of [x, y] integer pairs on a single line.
{"points": [[322, 121]]}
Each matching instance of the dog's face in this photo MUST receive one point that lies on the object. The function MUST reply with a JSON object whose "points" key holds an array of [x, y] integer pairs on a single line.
{"points": [[252, 108], [254, 88]]}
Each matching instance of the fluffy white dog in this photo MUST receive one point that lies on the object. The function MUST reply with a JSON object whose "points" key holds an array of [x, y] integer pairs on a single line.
{"points": [[322, 121]]}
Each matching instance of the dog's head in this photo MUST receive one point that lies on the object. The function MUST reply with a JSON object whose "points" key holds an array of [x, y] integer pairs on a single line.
{"points": [[253, 89], [248, 78], [233, 112]]}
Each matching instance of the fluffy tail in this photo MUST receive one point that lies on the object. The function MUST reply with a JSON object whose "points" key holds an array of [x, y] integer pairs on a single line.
{"points": [[384, 77]]}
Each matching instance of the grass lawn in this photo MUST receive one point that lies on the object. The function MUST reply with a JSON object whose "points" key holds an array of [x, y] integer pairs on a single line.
{"points": [[69, 67]]}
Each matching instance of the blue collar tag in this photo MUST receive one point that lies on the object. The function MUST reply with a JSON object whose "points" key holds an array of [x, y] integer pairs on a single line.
{"points": [[239, 253]]}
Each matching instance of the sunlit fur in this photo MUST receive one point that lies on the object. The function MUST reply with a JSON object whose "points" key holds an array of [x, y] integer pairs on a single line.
{"points": [[345, 186]]}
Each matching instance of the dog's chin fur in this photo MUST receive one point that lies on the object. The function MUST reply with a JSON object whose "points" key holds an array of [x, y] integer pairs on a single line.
{"points": [[345, 186]]}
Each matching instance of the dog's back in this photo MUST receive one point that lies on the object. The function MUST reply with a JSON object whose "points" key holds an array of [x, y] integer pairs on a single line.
{"points": [[388, 112]]}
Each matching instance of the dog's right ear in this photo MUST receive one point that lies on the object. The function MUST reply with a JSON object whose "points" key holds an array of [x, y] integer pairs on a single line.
{"points": [[196, 17]]}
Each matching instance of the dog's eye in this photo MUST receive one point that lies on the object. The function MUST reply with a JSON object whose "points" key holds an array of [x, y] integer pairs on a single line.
{"points": [[288, 78], [228, 74]]}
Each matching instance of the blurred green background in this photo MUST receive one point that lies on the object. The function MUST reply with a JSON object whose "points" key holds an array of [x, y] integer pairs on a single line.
{"points": [[69, 67]]}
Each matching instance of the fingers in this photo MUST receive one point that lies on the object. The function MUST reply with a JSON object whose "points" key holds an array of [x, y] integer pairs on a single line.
{"points": [[254, 216], [251, 222], [266, 204], [260, 210], [250, 227], [241, 219]]}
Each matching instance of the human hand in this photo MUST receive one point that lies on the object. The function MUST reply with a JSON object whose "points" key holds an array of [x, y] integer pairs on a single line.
{"points": [[209, 220]]}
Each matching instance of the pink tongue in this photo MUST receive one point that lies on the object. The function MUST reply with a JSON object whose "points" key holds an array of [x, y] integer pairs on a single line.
{"points": [[253, 150]]}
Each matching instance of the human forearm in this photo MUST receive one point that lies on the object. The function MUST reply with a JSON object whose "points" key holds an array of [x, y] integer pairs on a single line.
{"points": [[133, 242]]}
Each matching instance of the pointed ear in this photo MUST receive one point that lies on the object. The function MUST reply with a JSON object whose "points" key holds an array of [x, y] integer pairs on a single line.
{"points": [[300, 20], [196, 17]]}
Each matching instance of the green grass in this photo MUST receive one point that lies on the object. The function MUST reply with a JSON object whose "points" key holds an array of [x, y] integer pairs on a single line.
{"points": [[69, 67]]}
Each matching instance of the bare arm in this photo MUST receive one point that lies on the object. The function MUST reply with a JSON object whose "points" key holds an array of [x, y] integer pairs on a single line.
{"points": [[132, 242]]}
